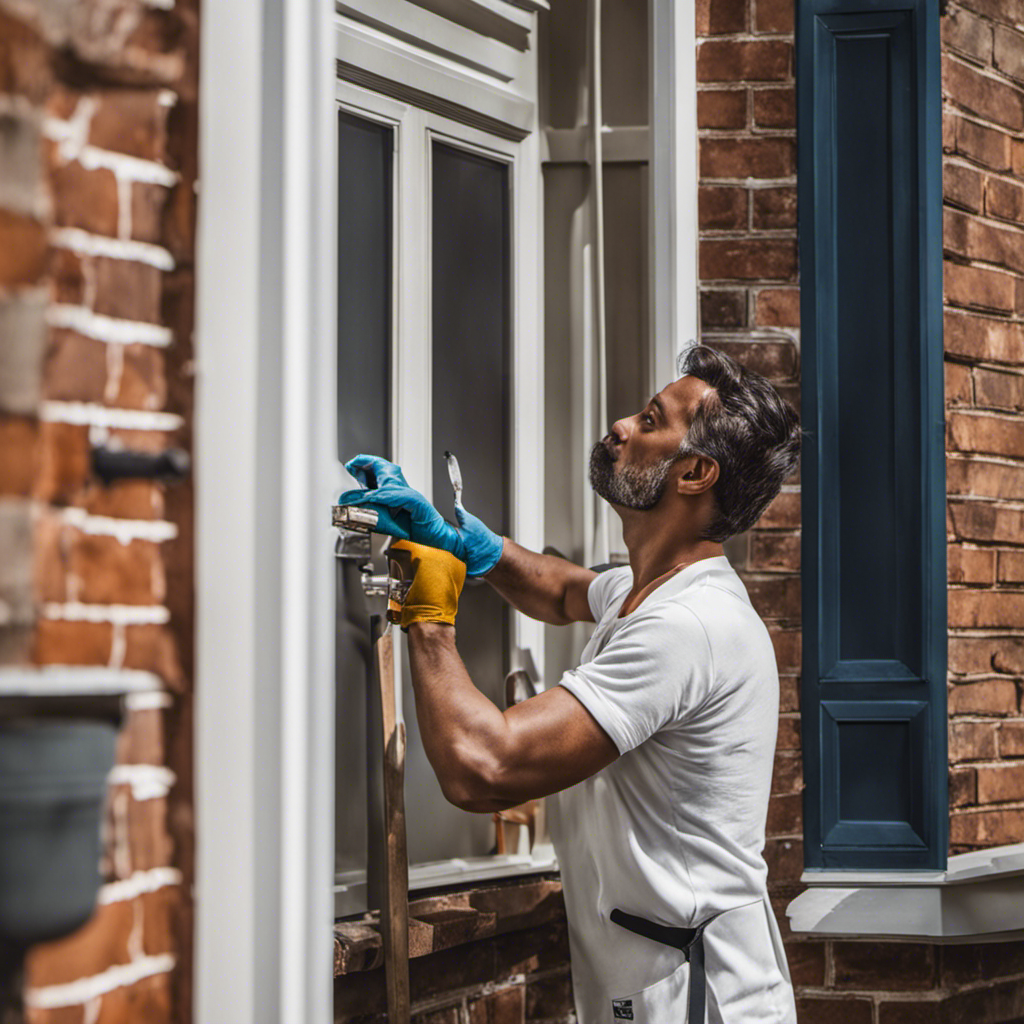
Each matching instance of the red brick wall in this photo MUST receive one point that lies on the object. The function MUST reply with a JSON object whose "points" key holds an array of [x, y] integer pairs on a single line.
{"points": [[750, 307], [983, 144], [97, 173]]}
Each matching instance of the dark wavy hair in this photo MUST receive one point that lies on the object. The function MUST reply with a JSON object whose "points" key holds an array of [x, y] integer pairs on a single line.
{"points": [[746, 426]]}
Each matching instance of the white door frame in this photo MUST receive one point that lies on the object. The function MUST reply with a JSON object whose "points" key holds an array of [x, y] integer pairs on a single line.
{"points": [[264, 340], [675, 305]]}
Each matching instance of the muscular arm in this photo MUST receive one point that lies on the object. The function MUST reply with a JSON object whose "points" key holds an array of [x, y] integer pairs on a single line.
{"points": [[542, 586], [487, 760]]}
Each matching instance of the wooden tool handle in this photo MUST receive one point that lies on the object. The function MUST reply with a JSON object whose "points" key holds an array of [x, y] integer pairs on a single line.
{"points": [[394, 916]]}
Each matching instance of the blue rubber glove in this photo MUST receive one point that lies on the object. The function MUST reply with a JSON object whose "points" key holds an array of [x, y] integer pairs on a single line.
{"points": [[403, 511], [406, 514], [483, 546]]}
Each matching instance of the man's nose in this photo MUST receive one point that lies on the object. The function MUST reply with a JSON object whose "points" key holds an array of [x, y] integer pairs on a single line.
{"points": [[620, 431]]}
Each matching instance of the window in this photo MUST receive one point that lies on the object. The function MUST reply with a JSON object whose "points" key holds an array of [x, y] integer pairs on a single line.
{"points": [[874, 579], [438, 350]]}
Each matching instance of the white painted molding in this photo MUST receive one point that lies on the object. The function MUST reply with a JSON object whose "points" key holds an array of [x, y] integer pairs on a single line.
{"points": [[628, 144], [433, 33], [675, 317], [978, 898], [264, 689], [372, 59]]}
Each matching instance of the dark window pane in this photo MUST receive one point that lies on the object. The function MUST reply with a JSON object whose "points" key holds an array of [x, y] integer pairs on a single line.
{"points": [[471, 392], [364, 286], [364, 387]]}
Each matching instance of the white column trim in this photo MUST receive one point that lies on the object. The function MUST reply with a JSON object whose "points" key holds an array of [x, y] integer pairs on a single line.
{"points": [[264, 711], [675, 316]]}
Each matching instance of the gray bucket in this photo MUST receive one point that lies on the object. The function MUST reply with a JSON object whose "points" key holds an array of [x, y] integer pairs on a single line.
{"points": [[52, 788]]}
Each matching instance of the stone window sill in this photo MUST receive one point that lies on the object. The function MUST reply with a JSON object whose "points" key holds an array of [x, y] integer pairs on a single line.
{"points": [[978, 898], [452, 917]]}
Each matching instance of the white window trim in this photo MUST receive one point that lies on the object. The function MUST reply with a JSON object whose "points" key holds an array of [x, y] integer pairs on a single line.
{"points": [[978, 898], [416, 129], [675, 307], [264, 690]]}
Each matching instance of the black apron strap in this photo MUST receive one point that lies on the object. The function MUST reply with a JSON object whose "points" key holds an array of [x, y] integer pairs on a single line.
{"points": [[698, 980], [689, 941]]}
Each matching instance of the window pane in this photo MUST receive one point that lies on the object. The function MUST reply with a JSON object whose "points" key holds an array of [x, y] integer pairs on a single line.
{"points": [[364, 286], [364, 388], [471, 392]]}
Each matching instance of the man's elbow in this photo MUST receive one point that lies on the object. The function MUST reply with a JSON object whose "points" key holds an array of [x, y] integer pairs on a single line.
{"points": [[477, 785]]}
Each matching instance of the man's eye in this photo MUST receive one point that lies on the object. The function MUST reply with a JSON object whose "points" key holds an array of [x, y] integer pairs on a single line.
{"points": [[648, 418]]}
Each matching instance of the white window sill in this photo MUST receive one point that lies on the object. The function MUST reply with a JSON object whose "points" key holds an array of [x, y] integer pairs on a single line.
{"points": [[350, 886], [977, 898]]}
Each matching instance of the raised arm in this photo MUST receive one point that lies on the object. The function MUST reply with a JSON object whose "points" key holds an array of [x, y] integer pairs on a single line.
{"points": [[542, 586], [485, 759]]}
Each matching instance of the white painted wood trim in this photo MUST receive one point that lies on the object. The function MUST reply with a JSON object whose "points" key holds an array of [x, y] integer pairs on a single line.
{"points": [[675, 315], [264, 696], [415, 131], [628, 144], [399, 19], [411, 68], [978, 898]]}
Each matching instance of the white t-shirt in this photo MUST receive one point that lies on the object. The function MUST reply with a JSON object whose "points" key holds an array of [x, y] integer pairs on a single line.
{"points": [[687, 689]]}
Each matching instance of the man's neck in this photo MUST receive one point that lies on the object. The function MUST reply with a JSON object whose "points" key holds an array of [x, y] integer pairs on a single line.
{"points": [[657, 545]]}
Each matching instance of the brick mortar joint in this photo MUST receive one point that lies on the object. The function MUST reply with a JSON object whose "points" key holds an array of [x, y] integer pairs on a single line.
{"points": [[949, 106], [458, 997]]}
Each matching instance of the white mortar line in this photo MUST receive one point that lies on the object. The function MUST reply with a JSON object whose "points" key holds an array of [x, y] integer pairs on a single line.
{"points": [[147, 781], [108, 328], [92, 415], [115, 373], [88, 244], [71, 135], [138, 883], [84, 989], [118, 646], [46, 680], [125, 530], [127, 168], [149, 700], [124, 614]]}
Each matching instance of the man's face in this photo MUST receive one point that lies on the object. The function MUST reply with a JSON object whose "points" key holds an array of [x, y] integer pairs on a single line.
{"points": [[630, 466]]}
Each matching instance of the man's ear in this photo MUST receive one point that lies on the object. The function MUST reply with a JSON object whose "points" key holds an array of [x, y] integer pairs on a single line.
{"points": [[697, 474]]}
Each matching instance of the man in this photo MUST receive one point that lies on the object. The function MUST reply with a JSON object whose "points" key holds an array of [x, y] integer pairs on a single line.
{"points": [[657, 750]]}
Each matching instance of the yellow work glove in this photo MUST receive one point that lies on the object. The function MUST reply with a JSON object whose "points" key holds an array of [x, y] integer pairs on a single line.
{"points": [[436, 584]]}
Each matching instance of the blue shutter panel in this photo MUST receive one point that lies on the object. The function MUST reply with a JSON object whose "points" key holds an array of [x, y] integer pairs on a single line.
{"points": [[874, 561]]}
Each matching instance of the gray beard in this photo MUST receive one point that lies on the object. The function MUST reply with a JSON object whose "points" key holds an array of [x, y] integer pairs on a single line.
{"points": [[635, 487]]}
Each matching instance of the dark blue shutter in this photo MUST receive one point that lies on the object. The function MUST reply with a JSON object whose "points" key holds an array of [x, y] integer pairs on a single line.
{"points": [[874, 556]]}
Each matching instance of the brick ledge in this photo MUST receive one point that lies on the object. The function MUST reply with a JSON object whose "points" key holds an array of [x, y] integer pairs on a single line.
{"points": [[451, 918]]}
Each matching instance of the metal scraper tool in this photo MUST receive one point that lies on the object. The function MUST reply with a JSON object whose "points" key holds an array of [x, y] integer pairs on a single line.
{"points": [[455, 475]]}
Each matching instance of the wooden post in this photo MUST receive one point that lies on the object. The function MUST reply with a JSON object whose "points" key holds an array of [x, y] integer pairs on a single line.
{"points": [[394, 913]]}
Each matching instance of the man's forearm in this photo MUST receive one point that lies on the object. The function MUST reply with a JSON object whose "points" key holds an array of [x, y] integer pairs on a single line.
{"points": [[462, 731], [541, 586], [487, 760]]}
